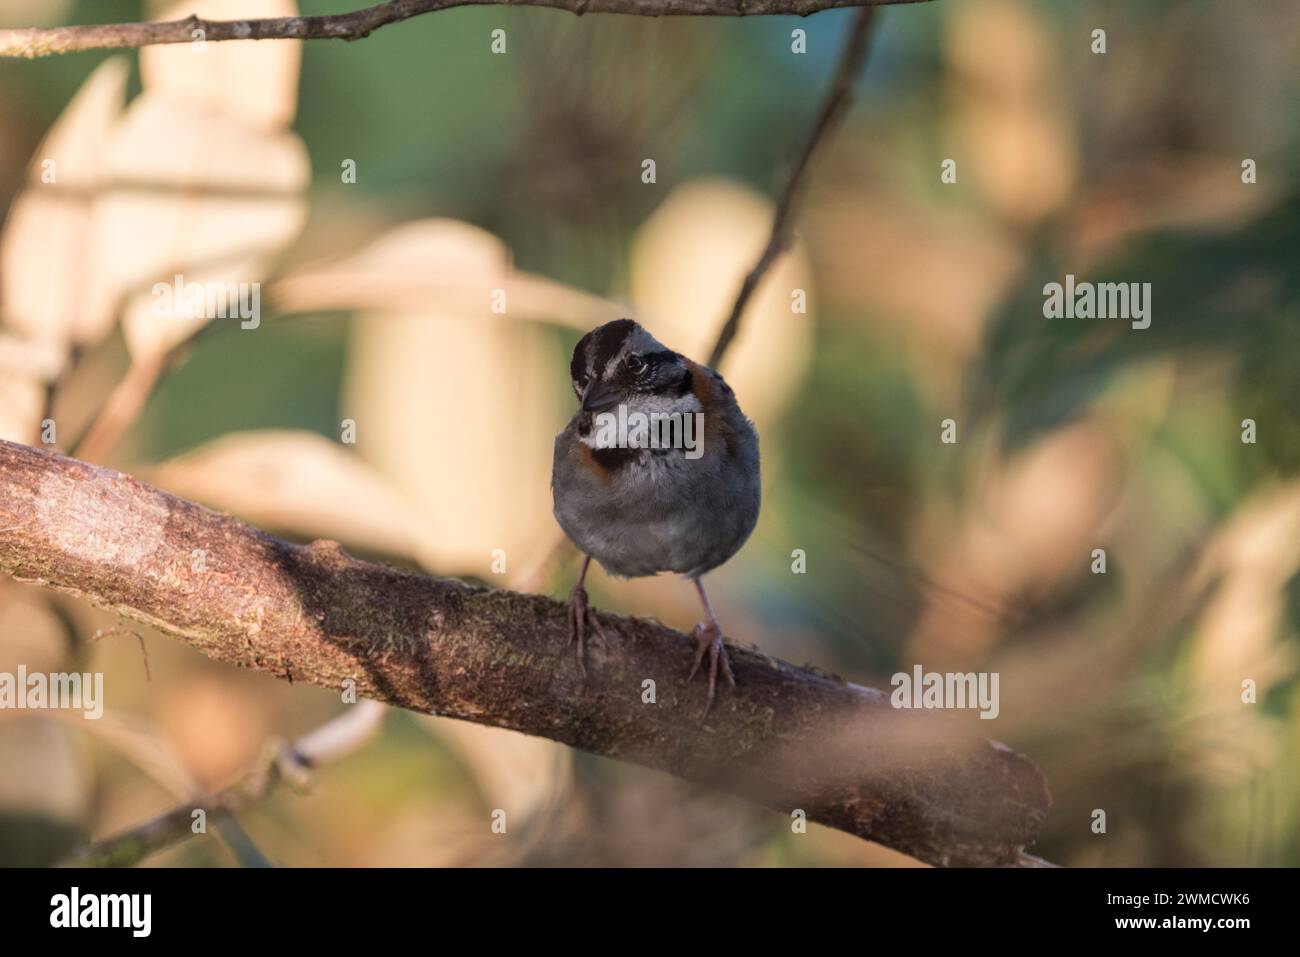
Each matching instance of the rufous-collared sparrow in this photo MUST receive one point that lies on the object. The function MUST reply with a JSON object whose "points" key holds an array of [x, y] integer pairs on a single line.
{"points": [[640, 506]]}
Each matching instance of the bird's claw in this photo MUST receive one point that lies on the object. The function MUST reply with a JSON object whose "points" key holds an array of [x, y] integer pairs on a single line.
{"points": [[581, 620], [708, 640]]}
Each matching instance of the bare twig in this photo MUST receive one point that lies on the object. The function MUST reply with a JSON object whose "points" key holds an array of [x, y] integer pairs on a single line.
{"points": [[337, 738], [130, 395], [120, 410], [44, 41], [794, 739], [838, 96], [118, 630]]}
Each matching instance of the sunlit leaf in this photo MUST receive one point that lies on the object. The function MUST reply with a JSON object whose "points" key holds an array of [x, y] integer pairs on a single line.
{"points": [[211, 200], [297, 483], [445, 266], [253, 81], [52, 273]]}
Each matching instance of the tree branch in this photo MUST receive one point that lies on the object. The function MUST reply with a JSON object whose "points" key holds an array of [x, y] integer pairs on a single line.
{"points": [[838, 96], [790, 738], [43, 41]]}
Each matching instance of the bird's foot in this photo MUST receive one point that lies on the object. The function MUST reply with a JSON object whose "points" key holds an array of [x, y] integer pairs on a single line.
{"points": [[583, 621], [708, 640]]}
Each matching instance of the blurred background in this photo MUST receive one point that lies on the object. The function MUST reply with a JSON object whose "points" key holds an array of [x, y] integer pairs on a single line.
{"points": [[522, 171]]}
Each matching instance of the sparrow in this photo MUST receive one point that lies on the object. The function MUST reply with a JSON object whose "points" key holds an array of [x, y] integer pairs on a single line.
{"points": [[668, 506]]}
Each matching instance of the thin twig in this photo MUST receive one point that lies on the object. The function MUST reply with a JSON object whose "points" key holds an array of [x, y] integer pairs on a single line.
{"points": [[130, 395], [838, 97], [338, 737], [120, 410], [43, 41], [117, 630]]}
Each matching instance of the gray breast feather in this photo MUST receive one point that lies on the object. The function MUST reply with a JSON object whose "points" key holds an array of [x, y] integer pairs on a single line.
{"points": [[661, 512]]}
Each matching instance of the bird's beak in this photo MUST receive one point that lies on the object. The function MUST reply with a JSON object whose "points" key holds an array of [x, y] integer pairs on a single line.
{"points": [[598, 397]]}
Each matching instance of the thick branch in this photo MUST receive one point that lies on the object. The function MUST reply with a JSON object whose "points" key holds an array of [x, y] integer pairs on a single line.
{"points": [[44, 41], [790, 738]]}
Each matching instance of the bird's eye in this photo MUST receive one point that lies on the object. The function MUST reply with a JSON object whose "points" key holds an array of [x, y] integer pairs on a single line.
{"points": [[636, 364]]}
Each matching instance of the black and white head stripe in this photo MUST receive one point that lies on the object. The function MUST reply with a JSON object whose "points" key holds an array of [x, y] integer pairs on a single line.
{"points": [[630, 362], [599, 347]]}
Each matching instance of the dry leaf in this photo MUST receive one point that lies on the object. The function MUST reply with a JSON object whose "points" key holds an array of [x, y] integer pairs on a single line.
{"points": [[156, 321], [1252, 558], [216, 201], [214, 728], [31, 633], [906, 264], [137, 741], [39, 359], [446, 267], [46, 772], [298, 483], [512, 770], [461, 414], [22, 399], [252, 81], [1009, 120], [54, 287]]}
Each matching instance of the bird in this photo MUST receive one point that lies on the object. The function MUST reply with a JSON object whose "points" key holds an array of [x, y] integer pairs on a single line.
{"points": [[641, 507]]}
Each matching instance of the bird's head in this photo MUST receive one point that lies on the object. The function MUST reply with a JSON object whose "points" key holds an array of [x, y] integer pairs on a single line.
{"points": [[621, 363]]}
